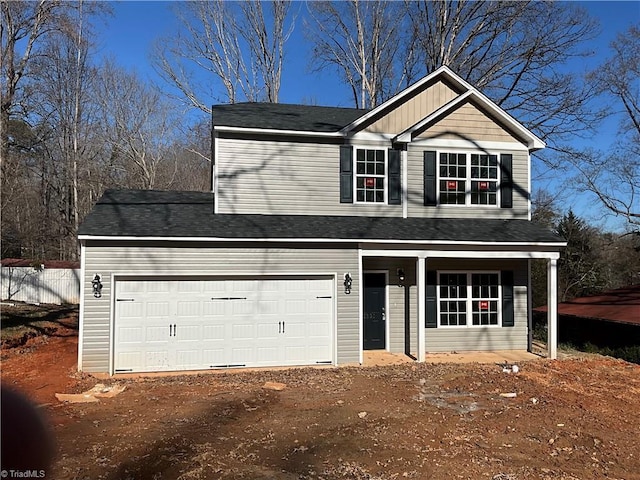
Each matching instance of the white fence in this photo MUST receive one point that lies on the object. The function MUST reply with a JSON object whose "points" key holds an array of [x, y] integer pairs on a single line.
{"points": [[51, 285]]}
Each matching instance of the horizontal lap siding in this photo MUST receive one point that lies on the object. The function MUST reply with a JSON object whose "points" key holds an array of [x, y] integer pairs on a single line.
{"points": [[484, 338], [471, 123], [206, 261], [286, 178], [415, 176]]}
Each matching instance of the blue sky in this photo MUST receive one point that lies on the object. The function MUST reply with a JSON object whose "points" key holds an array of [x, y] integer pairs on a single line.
{"points": [[135, 25], [129, 34]]}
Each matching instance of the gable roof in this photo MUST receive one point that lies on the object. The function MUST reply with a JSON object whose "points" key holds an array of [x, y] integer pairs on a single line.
{"points": [[282, 116], [621, 306], [467, 92], [147, 214], [291, 119]]}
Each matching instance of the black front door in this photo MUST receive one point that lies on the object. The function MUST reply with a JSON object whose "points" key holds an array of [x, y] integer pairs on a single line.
{"points": [[374, 311]]}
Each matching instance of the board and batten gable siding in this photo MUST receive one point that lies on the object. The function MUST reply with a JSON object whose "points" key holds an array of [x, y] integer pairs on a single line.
{"points": [[414, 109], [449, 339], [112, 259], [285, 178], [415, 187]]}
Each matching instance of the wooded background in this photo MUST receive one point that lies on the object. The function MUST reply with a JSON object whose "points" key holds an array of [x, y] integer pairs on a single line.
{"points": [[73, 124]]}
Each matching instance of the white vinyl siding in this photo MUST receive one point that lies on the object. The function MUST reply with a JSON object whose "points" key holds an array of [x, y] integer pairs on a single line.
{"points": [[489, 337], [290, 178], [285, 178], [164, 259]]}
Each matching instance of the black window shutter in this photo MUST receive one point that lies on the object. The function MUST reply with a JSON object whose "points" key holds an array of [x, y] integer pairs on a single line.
{"points": [[506, 180], [395, 187], [346, 174], [430, 179], [508, 319], [431, 300]]}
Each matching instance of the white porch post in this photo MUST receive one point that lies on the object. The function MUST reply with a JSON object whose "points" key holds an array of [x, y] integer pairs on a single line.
{"points": [[405, 182], [421, 330], [552, 308]]}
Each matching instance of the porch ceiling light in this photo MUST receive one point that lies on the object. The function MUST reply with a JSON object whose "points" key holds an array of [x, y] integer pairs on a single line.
{"points": [[401, 277]]}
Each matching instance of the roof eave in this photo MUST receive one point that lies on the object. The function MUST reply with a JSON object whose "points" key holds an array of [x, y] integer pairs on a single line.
{"points": [[273, 131], [551, 245]]}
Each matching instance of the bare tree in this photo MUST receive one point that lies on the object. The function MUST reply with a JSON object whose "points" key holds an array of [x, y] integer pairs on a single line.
{"points": [[361, 40], [23, 25], [232, 42], [44, 63], [613, 175], [515, 53], [140, 127], [62, 106]]}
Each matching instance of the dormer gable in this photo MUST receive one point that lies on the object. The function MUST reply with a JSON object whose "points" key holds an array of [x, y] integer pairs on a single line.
{"points": [[444, 102]]}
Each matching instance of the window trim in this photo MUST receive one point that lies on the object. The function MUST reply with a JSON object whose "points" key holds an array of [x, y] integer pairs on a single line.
{"points": [[468, 180], [356, 175], [469, 299]]}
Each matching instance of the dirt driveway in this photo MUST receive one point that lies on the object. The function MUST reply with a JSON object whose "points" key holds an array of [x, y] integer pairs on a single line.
{"points": [[569, 419]]}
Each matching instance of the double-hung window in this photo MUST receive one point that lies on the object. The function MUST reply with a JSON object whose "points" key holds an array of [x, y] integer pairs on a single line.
{"points": [[468, 299], [468, 179], [370, 175]]}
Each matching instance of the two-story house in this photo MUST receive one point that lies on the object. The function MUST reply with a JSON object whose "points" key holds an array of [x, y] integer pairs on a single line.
{"points": [[328, 231]]}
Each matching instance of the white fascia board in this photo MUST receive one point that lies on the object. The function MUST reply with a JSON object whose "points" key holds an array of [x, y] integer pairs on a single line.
{"points": [[483, 254], [371, 137], [406, 136], [273, 131], [320, 240]]}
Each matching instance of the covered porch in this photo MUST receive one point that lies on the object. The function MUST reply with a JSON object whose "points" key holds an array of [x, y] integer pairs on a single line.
{"points": [[408, 291]]}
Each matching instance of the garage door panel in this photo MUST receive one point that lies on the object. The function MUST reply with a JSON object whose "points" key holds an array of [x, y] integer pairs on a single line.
{"points": [[157, 333], [295, 354], [133, 335], [156, 286], [213, 332], [242, 356], [130, 311], [188, 359], [213, 356], [223, 322], [157, 309], [242, 307], [157, 360]]}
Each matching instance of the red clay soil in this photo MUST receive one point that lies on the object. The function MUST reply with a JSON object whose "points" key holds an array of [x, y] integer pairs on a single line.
{"points": [[569, 419]]}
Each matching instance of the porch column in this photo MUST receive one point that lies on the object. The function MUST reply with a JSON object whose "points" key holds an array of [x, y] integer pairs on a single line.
{"points": [[420, 330], [405, 182], [552, 308]]}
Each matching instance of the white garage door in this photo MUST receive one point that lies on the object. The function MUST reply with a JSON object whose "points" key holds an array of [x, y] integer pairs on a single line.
{"points": [[194, 324]]}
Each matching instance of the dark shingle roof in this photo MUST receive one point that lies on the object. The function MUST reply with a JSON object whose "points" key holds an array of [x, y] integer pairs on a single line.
{"points": [[281, 116], [143, 213]]}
